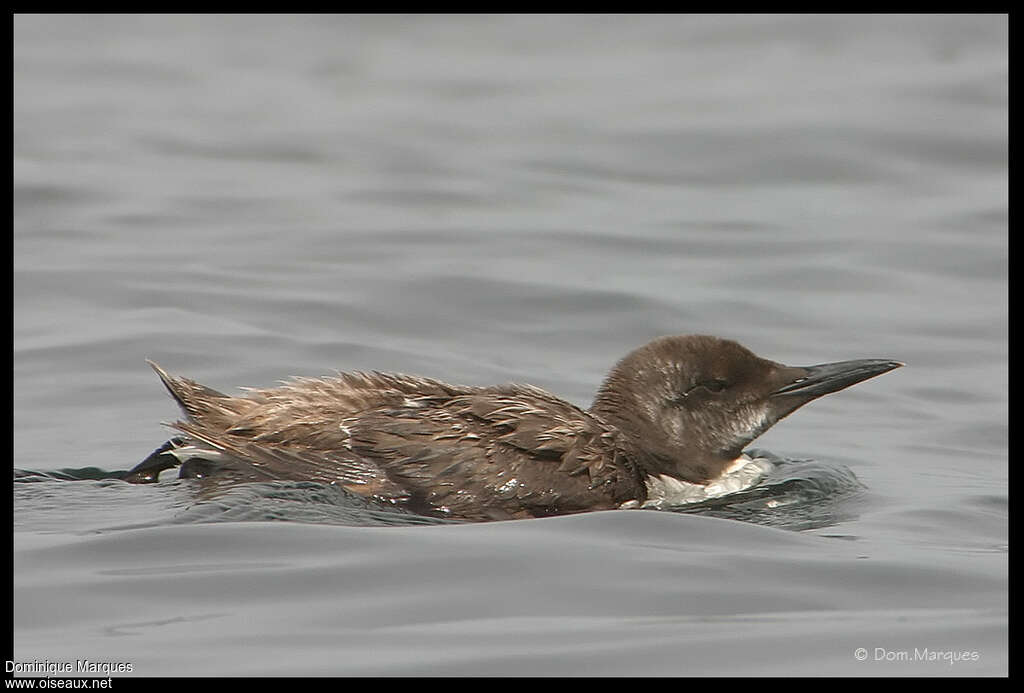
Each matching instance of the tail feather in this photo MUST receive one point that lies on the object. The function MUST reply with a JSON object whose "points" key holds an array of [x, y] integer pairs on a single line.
{"points": [[198, 402], [217, 439]]}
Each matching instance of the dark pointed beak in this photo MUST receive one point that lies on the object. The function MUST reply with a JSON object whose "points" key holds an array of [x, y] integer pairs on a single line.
{"points": [[814, 381]]}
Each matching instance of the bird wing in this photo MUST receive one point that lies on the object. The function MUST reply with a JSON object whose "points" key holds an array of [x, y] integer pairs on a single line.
{"points": [[242, 459], [513, 451]]}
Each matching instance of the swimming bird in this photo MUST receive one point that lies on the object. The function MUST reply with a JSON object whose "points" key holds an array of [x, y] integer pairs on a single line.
{"points": [[678, 410]]}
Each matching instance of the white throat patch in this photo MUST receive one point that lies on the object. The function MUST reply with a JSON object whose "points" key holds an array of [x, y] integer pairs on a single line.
{"points": [[668, 492]]}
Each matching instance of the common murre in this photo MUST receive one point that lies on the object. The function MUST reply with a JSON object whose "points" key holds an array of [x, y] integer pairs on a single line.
{"points": [[676, 412]]}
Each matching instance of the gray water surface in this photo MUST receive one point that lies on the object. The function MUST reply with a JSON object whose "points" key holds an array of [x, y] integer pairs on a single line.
{"points": [[487, 199]]}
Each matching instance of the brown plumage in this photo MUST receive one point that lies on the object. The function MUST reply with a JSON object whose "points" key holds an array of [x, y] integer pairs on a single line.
{"points": [[425, 444], [680, 406]]}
